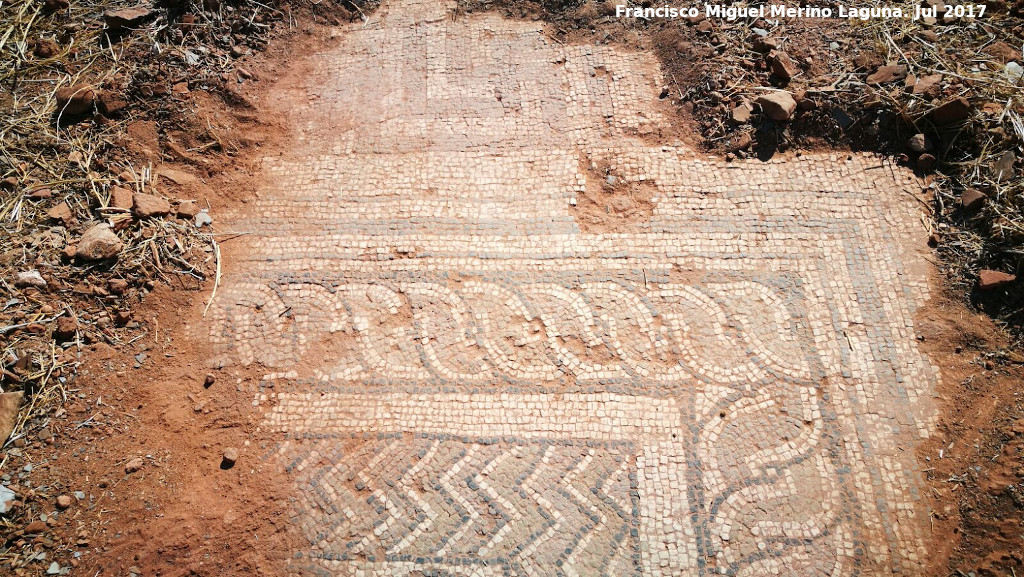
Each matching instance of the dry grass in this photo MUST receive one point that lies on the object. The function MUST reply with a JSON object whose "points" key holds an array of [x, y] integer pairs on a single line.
{"points": [[969, 152], [77, 160]]}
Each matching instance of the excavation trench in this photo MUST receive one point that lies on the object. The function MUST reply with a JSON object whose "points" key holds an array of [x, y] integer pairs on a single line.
{"points": [[484, 323]]}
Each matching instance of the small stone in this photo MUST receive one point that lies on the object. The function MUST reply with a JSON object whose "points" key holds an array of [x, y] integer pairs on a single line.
{"points": [[993, 279], [919, 143], [10, 406], [75, 100], [1003, 52], [121, 197], [187, 208], [46, 48], [51, 6], [804, 103], [742, 141], [63, 502], [239, 51], [126, 17], [782, 65], [953, 111], [61, 212], [149, 205], [972, 199], [244, 72], [1014, 72], [36, 527], [30, 278], [765, 44], [229, 458], [203, 218], [886, 74], [176, 176], [928, 86], [110, 104], [1002, 168], [209, 380], [741, 113], [778, 105], [54, 569], [65, 329], [117, 286], [7, 498], [926, 161], [133, 465], [98, 243]]}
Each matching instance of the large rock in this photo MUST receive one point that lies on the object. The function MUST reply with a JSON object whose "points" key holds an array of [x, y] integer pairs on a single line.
{"points": [[993, 279], [75, 100], [778, 105], [147, 205], [98, 243]]}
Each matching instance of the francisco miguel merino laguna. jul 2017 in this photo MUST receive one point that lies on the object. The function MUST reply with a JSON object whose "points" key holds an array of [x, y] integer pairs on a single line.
{"points": [[732, 12]]}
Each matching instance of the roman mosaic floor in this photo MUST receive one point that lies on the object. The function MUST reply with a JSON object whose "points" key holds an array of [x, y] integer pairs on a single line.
{"points": [[470, 372]]}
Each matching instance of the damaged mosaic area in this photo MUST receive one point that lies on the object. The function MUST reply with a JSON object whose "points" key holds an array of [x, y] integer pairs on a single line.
{"points": [[469, 374]]}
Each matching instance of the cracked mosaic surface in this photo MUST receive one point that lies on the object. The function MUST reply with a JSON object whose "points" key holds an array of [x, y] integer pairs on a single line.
{"points": [[460, 381]]}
